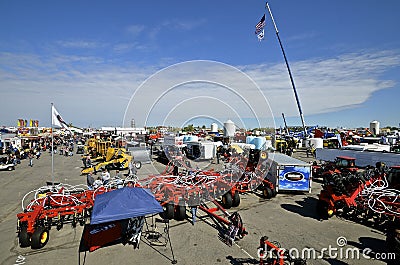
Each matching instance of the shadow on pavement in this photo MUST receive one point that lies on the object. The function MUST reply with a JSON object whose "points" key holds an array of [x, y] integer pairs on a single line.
{"points": [[306, 208], [242, 261], [335, 261]]}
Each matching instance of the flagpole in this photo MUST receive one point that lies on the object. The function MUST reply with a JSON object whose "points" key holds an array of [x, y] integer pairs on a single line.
{"points": [[52, 147], [290, 73]]}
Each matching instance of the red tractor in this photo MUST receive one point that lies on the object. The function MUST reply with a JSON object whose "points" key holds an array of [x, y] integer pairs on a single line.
{"points": [[341, 163]]}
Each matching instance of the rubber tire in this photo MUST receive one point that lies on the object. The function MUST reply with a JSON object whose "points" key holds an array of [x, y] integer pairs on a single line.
{"points": [[138, 164], [267, 192], [37, 240], [227, 200], [169, 211], [180, 213], [10, 168], [236, 199], [322, 209], [274, 192], [24, 238]]}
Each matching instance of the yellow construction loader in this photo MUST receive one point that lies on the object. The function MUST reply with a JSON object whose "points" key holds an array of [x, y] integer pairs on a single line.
{"points": [[116, 158]]}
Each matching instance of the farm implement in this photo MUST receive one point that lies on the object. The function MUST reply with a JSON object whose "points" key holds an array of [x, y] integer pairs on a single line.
{"points": [[271, 253], [199, 188], [62, 204], [178, 188], [53, 206], [362, 196], [253, 169]]}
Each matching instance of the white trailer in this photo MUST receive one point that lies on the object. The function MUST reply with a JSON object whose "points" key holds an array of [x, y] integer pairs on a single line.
{"points": [[288, 173], [363, 158]]}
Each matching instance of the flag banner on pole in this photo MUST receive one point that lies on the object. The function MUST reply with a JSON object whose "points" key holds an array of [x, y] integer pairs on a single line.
{"points": [[260, 35], [57, 120], [260, 25]]}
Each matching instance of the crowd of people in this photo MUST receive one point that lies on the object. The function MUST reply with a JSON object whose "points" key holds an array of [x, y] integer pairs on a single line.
{"points": [[31, 150], [14, 155]]}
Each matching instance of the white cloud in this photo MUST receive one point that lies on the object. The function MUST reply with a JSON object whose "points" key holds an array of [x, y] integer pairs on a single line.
{"points": [[325, 85], [184, 25], [88, 91], [79, 44], [135, 30], [127, 47], [176, 25]]}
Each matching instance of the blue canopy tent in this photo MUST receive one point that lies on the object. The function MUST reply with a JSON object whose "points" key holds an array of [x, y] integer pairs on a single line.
{"points": [[123, 204], [118, 217]]}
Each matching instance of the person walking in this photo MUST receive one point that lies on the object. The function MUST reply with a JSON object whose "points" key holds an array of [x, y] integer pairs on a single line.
{"points": [[89, 181], [119, 179], [132, 169], [194, 202], [88, 161], [30, 156], [97, 183], [105, 176], [38, 153]]}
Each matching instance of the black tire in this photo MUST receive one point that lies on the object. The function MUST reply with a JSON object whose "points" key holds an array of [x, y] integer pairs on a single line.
{"points": [[138, 164], [274, 193], [10, 168], [39, 238], [236, 199], [392, 244], [169, 211], [227, 200], [180, 213], [24, 238], [267, 192], [322, 209]]}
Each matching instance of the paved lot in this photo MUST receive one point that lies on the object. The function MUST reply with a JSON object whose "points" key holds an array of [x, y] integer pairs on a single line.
{"points": [[289, 219]]}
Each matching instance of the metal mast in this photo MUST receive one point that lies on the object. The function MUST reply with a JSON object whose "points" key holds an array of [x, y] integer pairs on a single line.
{"points": [[290, 73]]}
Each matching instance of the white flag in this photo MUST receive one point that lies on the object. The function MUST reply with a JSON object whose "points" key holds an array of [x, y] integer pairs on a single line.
{"points": [[57, 120], [260, 35]]}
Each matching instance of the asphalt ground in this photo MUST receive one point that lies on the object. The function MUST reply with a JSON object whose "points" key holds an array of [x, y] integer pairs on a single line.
{"points": [[289, 219]]}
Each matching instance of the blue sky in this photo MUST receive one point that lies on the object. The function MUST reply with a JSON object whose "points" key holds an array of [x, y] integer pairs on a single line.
{"points": [[89, 58]]}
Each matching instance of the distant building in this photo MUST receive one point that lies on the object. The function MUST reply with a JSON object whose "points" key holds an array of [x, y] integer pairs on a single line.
{"points": [[124, 131]]}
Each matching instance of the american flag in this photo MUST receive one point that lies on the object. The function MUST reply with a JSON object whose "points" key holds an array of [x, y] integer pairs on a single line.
{"points": [[260, 25]]}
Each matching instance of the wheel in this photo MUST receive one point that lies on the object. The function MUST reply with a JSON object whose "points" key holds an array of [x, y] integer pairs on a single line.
{"points": [[236, 199], [227, 200], [169, 211], [39, 238], [323, 209], [267, 192], [274, 192], [180, 213], [24, 238], [138, 164], [10, 168], [263, 155], [392, 242]]}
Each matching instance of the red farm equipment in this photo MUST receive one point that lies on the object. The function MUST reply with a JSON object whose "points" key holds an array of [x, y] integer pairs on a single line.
{"points": [[53, 206], [271, 253], [174, 190], [341, 164], [362, 196], [253, 169]]}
